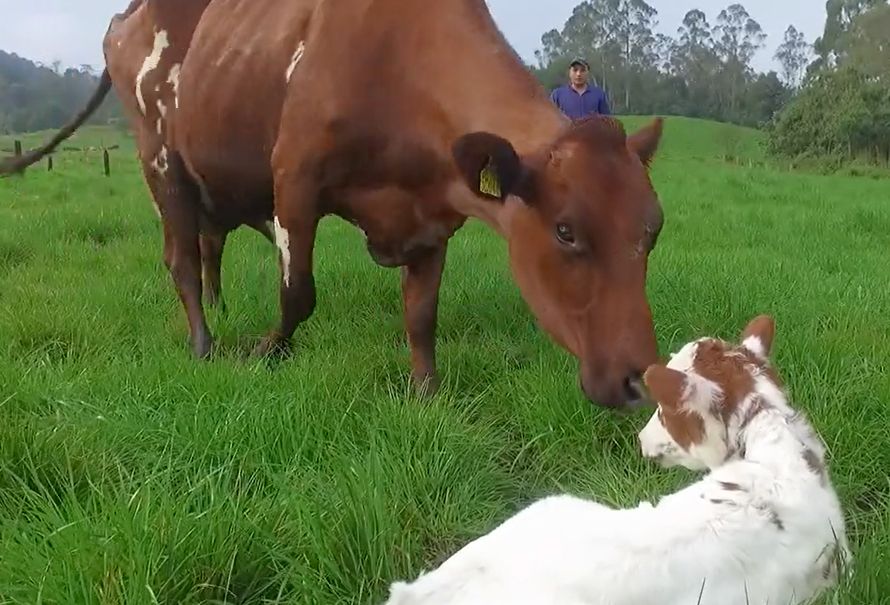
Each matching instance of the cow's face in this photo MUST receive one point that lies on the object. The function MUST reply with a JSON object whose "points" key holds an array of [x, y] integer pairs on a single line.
{"points": [[581, 220]]}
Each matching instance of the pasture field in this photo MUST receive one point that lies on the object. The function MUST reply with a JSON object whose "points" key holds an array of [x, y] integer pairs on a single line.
{"points": [[131, 474]]}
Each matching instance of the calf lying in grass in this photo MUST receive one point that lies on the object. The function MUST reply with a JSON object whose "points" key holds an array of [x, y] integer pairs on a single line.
{"points": [[763, 526]]}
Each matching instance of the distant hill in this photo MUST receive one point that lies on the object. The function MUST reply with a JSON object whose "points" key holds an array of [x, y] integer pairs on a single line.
{"points": [[37, 97]]}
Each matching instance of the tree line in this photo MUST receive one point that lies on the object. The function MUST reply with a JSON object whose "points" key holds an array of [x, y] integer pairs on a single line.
{"points": [[38, 97], [843, 110], [704, 71], [827, 99]]}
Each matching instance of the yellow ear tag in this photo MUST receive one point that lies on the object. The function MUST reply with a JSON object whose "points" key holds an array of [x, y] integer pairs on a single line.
{"points": [[488, 181]]}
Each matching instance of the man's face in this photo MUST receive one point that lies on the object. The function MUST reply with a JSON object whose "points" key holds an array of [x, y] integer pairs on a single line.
{"points": [[578, 75]]}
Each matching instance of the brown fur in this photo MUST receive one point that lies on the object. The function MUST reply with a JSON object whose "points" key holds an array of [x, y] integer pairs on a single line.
{"points": [[668, 386], [382, 123], [729, 372], [814, 463]]}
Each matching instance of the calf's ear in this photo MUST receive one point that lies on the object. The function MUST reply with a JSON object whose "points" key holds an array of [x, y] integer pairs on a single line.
{"points": [[758, 335], [490, 166]]}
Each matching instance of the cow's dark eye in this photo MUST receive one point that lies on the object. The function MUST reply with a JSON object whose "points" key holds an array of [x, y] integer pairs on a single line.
{"points": [[564, 234]]}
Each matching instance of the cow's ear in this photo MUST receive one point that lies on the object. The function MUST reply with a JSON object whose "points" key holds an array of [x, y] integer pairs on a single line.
{"points": [[645, 141], [490, 166]]}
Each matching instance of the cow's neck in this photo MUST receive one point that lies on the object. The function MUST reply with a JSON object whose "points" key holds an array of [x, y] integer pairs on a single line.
{"points": [[480, 84]]}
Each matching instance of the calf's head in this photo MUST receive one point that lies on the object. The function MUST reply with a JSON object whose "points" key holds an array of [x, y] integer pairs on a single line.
{"points": [[581, 218], [706, 395]]}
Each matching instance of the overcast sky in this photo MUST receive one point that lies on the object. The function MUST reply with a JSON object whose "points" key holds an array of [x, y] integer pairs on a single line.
{"points": [[71, 30]]}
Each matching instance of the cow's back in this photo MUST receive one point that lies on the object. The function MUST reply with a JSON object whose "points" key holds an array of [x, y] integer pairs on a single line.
{"points": [[144, 50], [381, 88], [233, 84]]}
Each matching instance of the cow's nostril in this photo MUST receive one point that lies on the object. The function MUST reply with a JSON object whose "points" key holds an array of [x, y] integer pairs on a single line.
{"points": [[634, 388]]}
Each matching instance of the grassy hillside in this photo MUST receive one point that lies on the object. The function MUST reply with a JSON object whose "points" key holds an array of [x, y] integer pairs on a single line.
{"points": [[129, 473]]}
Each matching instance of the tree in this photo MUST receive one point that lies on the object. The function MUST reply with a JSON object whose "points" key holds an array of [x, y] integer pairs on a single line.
{"points": [[866, 44], [633, 26], [843, 111], [792, 54], [738, 38], [704, 72], [35, 97], [840, 16]]}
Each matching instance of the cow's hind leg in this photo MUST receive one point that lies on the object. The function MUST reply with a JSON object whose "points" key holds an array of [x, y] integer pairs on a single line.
{"points": [[179, 202], [421, 279], [295, 224], [213, 242]]}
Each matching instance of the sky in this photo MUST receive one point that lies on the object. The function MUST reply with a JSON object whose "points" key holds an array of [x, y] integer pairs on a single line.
{"points": [[71, 31]]}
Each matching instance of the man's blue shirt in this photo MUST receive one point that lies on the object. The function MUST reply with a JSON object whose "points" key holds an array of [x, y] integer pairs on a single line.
{"points": [[576, 106]]}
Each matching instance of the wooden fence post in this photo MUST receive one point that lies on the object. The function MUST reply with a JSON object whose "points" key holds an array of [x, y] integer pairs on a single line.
{"points": [[17, 145], [106, 162]]}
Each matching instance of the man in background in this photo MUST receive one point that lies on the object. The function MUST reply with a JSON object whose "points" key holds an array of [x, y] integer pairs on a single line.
{"points": [[579, 98]]}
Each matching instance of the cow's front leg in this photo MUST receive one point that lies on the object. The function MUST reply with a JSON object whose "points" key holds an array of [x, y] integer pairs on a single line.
{"points": [[295, 224], [420, 298]]}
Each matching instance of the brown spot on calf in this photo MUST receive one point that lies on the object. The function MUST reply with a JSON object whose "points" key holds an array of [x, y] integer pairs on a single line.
{"points": [[729, 372], [686, 426], [814, 463]]}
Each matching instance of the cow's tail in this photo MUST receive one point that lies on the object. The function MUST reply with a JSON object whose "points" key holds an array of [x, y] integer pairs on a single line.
{"points": [[17, 164]]}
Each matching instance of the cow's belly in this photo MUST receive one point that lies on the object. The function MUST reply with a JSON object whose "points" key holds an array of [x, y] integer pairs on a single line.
{"points": [[232, 88], [399, 226]]}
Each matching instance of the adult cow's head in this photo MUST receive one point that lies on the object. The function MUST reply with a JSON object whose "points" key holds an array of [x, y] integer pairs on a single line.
{"points": [[581, 218]]}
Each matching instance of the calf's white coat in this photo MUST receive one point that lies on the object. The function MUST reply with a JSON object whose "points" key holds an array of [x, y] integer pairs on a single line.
{"points": [[763, 526]]}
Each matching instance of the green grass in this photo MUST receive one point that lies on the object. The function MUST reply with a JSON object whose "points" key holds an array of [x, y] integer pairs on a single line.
{"points": [[130, 473]]}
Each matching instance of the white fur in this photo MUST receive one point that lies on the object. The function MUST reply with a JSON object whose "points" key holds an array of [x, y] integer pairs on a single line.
{"points": [[282, 240], [295, 60], [755, 530], [160, 162], [173, 80], [150, 64]]}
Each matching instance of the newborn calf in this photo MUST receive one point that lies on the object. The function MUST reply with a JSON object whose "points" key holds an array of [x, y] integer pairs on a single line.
{"points": [[764, 526]]}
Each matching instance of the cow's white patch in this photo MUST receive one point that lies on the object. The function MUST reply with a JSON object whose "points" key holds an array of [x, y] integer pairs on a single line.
{"points": [[173, 80], [162, 112], [150, 64], [298, 55], [282, 240], [160, 162]]}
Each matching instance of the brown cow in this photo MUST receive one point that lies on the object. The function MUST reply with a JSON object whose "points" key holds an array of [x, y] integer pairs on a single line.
{"points": [[406, 118]]}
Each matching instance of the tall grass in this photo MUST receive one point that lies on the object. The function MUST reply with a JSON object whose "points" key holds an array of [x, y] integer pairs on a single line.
{"points": [[129, 473]]}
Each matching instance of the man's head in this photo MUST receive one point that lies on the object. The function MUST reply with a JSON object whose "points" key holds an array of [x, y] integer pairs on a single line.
{"points": [[581, 218], [579, 73]]}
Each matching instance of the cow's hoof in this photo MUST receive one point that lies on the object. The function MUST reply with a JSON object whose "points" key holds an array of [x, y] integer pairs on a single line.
{"points": [[203, 347], [214, 301], [271, 346], [426, 385]]}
